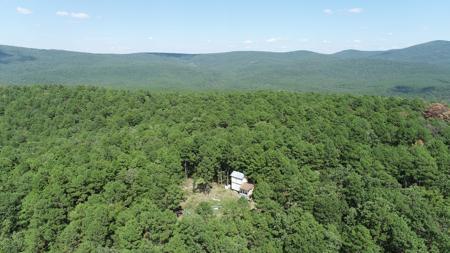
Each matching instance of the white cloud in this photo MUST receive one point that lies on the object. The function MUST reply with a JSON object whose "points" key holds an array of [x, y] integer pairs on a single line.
{"points": [[328, 11], [79, 15], [23, 11], [247, 41], [357, 41], [326, 42], [355, 10], [62, 13], [150, 38], [272, 40], [340, 11]]}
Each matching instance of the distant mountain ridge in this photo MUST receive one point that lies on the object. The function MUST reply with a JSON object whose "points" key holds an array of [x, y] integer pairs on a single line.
{"points": [[421, 70], [435, 52]]}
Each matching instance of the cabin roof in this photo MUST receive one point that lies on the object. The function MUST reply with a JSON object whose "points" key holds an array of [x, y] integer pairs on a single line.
{"points": [[237, 174], [247, 187]]}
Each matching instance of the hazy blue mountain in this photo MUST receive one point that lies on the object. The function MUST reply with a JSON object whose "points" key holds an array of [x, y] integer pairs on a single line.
{"points": [[422, 70]]}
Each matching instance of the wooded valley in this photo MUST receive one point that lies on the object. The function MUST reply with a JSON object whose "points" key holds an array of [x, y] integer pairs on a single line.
{"points": [[418, 71]]}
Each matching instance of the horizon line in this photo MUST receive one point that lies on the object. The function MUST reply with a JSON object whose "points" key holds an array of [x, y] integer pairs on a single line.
{"points": [[220, 52]]}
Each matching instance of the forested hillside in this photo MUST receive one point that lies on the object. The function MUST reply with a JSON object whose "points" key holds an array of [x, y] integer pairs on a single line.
{"points": [[418, 71], [435, 52], [87, 169]]}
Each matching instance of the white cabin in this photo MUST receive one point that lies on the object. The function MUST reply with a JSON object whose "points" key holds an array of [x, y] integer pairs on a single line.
{"points": [[237, 179], [239, 183]]}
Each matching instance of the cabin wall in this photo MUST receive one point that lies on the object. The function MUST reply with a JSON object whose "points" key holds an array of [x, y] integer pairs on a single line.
{"points": [[236, 183]]}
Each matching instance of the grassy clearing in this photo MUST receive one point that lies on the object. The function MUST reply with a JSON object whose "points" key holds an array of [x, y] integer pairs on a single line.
{"points": [[218, 197]]}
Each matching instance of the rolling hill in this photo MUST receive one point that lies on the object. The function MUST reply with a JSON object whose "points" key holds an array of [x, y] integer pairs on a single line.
{"points": [[422, 70], [435, 52]]}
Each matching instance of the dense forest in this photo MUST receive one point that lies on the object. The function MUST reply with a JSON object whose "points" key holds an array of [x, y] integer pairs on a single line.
{"points": [[86, 169]]}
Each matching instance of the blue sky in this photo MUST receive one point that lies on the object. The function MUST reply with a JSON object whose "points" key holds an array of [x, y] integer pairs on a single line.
{"points": [[202, 26]]}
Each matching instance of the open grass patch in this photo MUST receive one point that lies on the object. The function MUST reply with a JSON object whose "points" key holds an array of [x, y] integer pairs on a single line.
{"points": [[217, 198]]}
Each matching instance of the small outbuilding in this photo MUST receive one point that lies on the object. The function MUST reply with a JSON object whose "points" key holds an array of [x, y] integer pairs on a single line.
{"points": [[246, 190]]}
